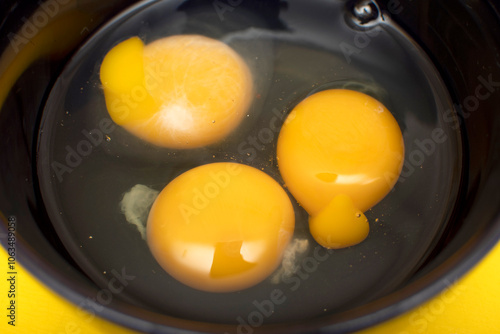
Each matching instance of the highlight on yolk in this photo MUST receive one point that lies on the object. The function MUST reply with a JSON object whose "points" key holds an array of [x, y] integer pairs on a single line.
{"points": [[181, 91], [220, 227], [340, 152]]}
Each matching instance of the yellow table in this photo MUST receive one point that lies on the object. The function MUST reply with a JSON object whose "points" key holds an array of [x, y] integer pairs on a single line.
{"points": [[471, 306]]}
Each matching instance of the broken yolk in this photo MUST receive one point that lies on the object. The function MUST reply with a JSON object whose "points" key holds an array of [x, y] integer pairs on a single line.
{"points": [[182, 91], [220, 227], [340, 152]]}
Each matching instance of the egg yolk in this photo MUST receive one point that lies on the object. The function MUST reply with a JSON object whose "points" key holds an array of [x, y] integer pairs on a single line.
{"points": [[181, 91], [340, 152], [220, 227]]}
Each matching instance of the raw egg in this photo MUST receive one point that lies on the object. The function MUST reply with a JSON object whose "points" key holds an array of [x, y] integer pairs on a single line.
{"points": [[220, 227], [340, 152], [182, 91]]}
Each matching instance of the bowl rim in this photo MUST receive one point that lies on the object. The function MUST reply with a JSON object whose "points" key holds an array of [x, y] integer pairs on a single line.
{"points": [[396, 303]]}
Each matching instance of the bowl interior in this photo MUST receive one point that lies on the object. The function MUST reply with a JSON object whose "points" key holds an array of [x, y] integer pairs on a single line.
{"points": [[432, 227]]}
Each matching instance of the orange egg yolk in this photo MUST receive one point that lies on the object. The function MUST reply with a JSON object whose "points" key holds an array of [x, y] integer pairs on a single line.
{"points": [[340, 152], [220, 227], [181, 91]]}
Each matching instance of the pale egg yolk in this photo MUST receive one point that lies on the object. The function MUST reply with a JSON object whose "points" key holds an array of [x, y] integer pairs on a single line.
{"points": [[181, 91], [340, 152], [220, 227]]}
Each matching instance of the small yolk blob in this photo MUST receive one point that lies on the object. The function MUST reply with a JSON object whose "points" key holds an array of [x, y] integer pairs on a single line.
{"points": [[340, 152], [220, 227], [182, 91]]}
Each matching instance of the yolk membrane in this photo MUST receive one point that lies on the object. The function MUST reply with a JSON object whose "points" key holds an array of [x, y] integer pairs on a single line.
{"points": [[220, 227], [340, 152], [181, 91]]}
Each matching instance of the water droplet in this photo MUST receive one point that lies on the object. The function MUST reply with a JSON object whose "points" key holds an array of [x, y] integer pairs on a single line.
{"points": [[365, 11], [213, 121], [108, 138], [358, 215]]}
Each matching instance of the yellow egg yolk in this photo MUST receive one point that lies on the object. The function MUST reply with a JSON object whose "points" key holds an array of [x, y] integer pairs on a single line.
{"points": [[340, 152], [220, 227], [181, 91]]}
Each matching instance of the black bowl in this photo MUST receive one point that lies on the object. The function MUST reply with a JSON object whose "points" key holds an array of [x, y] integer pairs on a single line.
{"points": [[463, 42]]}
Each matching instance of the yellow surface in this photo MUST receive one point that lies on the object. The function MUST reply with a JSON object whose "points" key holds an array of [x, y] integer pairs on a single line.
{"points": [[469, 306], [181, 91], [343, 143], [221, 226]]}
